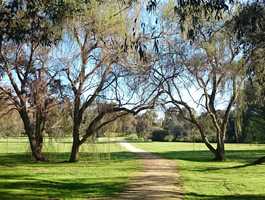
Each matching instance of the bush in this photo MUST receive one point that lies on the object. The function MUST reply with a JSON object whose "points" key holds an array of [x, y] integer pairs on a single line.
{"points": [[169, 138], [161, 136]]}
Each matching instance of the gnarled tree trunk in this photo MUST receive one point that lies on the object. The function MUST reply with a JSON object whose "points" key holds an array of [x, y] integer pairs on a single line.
{"points": [[36, 144], [219, 152], [35, 137]]}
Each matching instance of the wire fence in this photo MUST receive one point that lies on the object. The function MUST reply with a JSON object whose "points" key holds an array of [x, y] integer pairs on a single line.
{"points": [[54, 147]]}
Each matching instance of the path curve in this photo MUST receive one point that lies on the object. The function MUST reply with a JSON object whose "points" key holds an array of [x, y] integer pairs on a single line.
{"points": [[158, 180]]}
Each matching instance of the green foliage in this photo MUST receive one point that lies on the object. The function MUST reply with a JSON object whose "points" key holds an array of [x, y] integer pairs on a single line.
{"points": [[193, 16], [145, 123], [248, 117], [254, 125], [176, 124], [169, 138], [256, 73], [249, 24], [32, 21], [101, 21], [249, 27], [120, 127], [159, 135]]}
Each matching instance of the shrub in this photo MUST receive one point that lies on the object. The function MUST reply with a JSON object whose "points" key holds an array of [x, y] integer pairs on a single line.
{"points": [[159, 135], [169, 138]]}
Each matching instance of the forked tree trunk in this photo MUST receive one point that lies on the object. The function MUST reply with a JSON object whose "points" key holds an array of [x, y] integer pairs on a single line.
{"points": [[36, 144], [204, 138], [35, 138], [219, 152]]}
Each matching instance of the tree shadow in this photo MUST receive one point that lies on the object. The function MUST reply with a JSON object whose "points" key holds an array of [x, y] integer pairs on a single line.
{"points": [[232, 167], [35, 180], [16, 159], [243, 156], [44, 189]]}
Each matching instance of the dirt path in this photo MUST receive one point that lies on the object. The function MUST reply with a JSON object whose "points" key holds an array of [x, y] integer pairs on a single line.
{"points": [[159, 179]]}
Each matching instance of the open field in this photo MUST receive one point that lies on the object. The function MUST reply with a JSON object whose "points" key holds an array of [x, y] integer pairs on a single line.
{"points": [[102, 171], [105, 168], [205, 179]]}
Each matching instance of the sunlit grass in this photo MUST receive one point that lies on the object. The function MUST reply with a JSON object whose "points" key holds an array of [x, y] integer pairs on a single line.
{"points": [[204, 179], [103, 170]]}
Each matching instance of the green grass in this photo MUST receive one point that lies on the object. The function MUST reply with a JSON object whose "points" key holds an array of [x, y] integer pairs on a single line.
{"points": [[204, 179], [104, 170]]}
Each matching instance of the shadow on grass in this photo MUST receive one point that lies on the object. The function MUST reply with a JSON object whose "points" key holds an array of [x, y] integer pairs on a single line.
{"points": [[224, 197], [15, 159], [244, 156], [23, 186], [44, 189], [27, 179]]}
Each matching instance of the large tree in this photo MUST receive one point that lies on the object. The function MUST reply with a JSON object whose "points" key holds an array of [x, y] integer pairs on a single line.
{"points": [[210, 74], [101, 63], [27, 31]]}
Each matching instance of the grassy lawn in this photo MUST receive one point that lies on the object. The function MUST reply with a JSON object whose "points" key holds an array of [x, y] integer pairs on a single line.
{"points": [[103, 170], [204, 179]]}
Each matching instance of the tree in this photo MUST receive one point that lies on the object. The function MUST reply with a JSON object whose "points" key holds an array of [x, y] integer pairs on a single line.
{"points": [[213, 69], [127, 124], [100, 66], [177, 125], [145, 123], [28, 29], [27, 91], [249, 28]]}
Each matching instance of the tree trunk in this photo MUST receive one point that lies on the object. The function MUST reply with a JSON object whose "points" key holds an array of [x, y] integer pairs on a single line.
{"points": [[35, 138], [36, 144], [220, 150], [204, 138], [75, 151], [220, 154], [76, 143]]}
